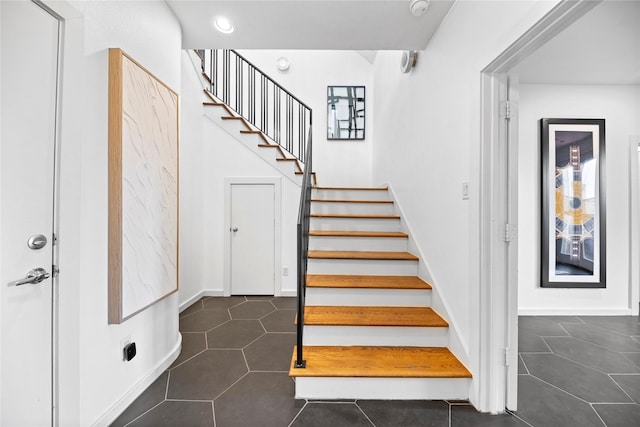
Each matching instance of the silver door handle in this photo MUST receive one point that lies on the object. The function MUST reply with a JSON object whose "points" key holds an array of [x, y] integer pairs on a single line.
{"points": [[36, 275]]}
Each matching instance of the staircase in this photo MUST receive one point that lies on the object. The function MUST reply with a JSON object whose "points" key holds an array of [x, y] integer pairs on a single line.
{"points": [[236, 125], [369, 330]]}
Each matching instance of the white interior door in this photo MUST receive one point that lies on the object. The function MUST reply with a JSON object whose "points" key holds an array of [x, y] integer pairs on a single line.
{"points": [[29, 64], [252, 239]]}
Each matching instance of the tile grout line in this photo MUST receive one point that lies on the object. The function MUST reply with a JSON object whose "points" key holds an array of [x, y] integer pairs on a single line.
{"points": [[589, 367], [558, 388], [620, 387], [306, 402], [515, 415], [363, 413]]}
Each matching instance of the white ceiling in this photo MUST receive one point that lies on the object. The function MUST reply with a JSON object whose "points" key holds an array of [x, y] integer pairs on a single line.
{"points": [[602, 47], [309, 24]]}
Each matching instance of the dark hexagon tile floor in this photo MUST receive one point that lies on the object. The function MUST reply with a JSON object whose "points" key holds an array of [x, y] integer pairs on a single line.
{"points": [[233, 372], [252, 309], [207, 375], [235, 334]]}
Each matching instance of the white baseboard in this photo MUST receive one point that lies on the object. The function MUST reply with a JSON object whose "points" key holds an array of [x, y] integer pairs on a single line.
{"points": [[132, 394], [206, 293], [287, 293], [574, 312], [213, 293], [188, 303]]}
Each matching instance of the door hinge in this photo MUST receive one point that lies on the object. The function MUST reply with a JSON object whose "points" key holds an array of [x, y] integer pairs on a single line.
{"points": [[510, 356], [505, 109], [507, 232], [55, 239], [55, 270]]}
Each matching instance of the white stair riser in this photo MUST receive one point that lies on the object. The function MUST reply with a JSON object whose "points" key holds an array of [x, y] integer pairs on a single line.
{"points": [[351, 194], [368, 297], [383, 388], [363, 267], [352, 208], [376, 335], [322, 243], [355, 224]]}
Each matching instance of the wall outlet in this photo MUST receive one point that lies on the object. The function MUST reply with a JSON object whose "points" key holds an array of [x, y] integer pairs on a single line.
{"points": [[129, 352], [285, 271], [123, 343]]}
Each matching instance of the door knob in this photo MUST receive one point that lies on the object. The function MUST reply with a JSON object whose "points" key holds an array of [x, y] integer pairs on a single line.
{"points": [[36, 275], [234, 229]]}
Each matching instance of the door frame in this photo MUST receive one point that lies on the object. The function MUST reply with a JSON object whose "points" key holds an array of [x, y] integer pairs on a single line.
{"points": [[277, 237], [54, 328], [67, 216], [496, 387], [634, 224]]}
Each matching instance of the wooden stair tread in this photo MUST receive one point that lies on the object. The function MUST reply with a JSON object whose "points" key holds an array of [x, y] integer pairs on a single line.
{"points": [[345, 233], [390, 202], [364, 216], [341, 315], [379, 362], [377, 282], [352, 188], [375, 255]]}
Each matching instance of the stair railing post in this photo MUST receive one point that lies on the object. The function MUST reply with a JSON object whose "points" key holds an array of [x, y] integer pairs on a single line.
{"points": [[304, 218], [277, 116]]}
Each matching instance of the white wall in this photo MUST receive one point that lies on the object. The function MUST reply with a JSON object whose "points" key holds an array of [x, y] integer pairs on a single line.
{"points": [[620, 107], [192, 170], [95, 384], [226, 157], [335, 162], [427, 143], [209, 155]]}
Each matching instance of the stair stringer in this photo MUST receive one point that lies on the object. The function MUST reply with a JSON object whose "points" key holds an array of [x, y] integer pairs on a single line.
{"points": [[233, 128], [251, 143], [457, 345]]}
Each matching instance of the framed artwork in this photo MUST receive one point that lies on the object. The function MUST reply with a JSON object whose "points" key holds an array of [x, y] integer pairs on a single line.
{"points": [[345, 112], [573, 203], [143, 188]]}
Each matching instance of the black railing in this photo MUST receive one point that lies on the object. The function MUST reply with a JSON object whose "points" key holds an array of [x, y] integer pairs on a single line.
{"points": [[252, 94], [304, 218]]}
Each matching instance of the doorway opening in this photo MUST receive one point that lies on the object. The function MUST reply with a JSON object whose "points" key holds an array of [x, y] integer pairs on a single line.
{"points": [[499, 208]]}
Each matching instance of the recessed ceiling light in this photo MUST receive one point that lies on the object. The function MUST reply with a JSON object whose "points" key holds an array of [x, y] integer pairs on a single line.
{"points": [[223, 24]]}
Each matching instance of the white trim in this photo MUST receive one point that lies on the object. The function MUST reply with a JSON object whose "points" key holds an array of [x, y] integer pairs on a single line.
{"points": [[634, 225], [188, 303], [134, 392], [205, 293], [458, 347], [574, 312], [489, 391], [212, 293], [276, 181]]}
